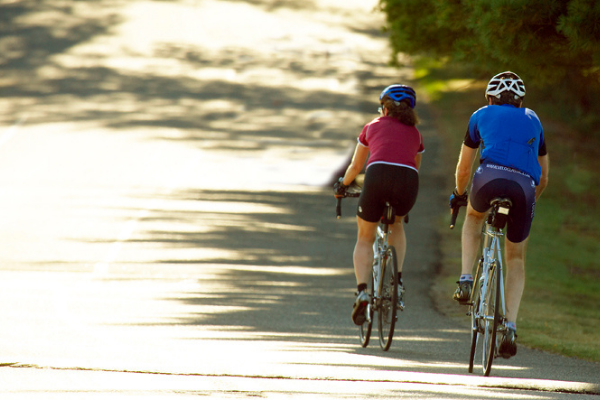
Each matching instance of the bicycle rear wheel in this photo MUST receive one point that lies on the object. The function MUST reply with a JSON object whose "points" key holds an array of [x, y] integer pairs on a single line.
{"points": [[365, 329], [475, 331], [491, 319], [475, 313], [388, 301]]}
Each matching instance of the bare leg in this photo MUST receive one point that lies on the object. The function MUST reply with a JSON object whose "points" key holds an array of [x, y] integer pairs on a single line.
{"points": [[471, 238], [515, 277], [363, 251], [398, 240]]}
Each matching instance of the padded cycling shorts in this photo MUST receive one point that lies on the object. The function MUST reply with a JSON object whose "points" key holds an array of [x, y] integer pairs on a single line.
{"points": [[392, 183], [490, 181]]}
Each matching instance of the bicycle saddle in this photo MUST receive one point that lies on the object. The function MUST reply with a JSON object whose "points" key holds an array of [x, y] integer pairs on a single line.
{"points": [[499, 215]]}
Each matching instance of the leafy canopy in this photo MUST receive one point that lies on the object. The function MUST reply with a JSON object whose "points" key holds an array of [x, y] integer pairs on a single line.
{"points": [[544, 41]]}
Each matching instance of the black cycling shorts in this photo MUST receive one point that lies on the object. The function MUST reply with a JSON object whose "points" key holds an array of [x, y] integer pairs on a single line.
{"points": [[492, 181], [392, 183]]}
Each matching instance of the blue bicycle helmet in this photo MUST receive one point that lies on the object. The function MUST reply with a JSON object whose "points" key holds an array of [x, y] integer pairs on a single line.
{"points": [[399, 93]]}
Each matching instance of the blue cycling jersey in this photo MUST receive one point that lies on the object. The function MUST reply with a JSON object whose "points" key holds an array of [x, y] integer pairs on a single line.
{"points": [[509, 136]]}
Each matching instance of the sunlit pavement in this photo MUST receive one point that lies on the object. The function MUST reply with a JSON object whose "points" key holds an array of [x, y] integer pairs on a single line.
{"points": [[164, 227]]}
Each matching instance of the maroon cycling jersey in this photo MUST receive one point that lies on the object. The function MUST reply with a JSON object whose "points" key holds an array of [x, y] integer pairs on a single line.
{"points": [[391, 142]]}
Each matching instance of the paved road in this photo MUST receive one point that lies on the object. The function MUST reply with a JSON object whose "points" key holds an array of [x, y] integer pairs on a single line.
{"points": [[165, 232]]}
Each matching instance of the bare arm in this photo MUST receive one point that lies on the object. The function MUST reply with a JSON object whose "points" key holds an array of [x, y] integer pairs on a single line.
{"points": [[358, 162], [418, 158], [463, 168], [545, 164]]}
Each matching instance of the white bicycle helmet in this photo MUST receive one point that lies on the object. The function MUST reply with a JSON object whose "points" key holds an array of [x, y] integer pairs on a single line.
{"points": [[505, 82]]}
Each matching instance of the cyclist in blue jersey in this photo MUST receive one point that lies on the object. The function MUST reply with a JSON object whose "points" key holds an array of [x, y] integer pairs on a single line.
{"points": [[513, 163]]}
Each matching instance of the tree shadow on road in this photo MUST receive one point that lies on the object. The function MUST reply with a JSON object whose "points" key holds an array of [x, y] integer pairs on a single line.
{"points": [[207, 107], [285, 275], [284, 270], [281, 270]]}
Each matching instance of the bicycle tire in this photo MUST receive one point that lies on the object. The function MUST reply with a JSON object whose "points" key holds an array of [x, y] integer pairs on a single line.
{"points": [[491, 320], [475, 312], [365, 329], [388, 301]]}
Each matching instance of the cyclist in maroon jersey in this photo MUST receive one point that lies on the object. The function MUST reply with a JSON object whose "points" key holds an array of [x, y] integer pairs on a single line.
{"points": [[395, 146]]}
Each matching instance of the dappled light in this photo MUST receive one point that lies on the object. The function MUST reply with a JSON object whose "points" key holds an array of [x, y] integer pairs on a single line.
{"points": [[295, 83], [165, 197], [164, 78]]}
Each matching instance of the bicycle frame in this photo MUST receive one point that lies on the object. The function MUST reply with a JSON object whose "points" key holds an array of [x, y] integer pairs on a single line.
{"points": [[380, 248], [487, 305], [492, 258], [384, 288]]}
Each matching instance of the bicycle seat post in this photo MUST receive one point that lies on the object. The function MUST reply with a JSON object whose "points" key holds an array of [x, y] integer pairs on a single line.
{"points": [[389, 215]]}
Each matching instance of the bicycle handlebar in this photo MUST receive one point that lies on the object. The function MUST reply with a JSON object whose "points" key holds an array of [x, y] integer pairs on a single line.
{"points": [[338, 209], [338, 206], [454, 215], [353, 191]]}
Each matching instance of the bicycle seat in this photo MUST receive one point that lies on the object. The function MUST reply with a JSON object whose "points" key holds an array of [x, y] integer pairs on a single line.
{"points": [[499, 215]]}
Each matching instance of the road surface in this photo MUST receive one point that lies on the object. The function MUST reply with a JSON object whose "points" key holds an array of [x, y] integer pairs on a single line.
{"points": [[165, 229]]}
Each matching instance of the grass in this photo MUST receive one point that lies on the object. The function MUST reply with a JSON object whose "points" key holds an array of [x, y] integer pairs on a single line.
{"points": [[560, 310]]}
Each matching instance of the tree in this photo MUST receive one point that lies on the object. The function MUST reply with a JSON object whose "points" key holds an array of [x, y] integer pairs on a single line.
{"points": [[544, 41]]}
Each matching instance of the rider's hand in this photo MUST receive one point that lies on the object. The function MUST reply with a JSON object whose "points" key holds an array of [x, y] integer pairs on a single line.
{"points": [[339, 189], [458, 200]]}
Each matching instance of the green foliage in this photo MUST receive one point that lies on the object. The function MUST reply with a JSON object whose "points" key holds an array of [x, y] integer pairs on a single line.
{"points": [[559, 309], [554, 44]]}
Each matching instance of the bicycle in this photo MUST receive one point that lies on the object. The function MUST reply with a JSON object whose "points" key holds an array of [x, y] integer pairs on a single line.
{"points": [[383, 287], [487, 307]]}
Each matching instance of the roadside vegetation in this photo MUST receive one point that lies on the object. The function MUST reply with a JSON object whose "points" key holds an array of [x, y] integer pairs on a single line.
{"points": [[554, 45]]}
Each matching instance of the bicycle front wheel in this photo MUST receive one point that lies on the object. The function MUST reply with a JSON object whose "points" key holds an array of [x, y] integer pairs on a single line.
{"points": [[365, 329], [491, 319], [388, 298]]}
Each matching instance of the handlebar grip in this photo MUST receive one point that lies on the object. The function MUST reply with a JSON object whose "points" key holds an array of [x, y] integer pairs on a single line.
{"points": [[338, 207], [454, 215]]}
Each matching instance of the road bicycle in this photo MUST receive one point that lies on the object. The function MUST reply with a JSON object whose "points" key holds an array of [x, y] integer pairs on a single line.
{"points": [[487, 307], [383, 287]]}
